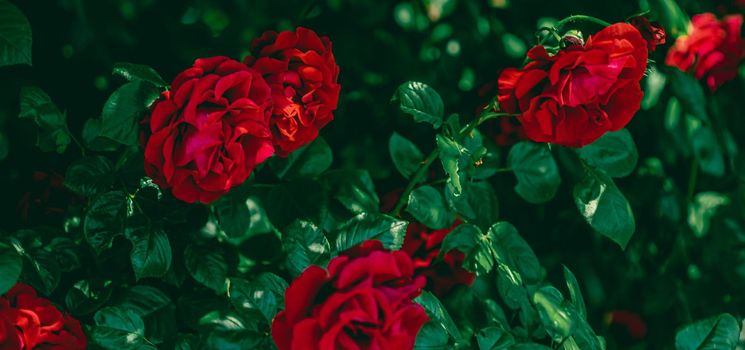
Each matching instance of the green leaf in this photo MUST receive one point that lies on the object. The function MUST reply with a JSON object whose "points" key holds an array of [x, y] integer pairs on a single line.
{"points": [[305, 244], [120, 329], [123, 111], [144, 300], [575, 294], [720, 332], [240, 217], [133, 71], [41, 270], [707, 150], [389, 230], [305, 162], [264, 294], [673, 19], [468, 239], [53, 132], [536, 171], [93, 139], [405, 154], [432, 336], [89, 176], [655, 84], [690, 93], [421, 102], [478, 203], [15, 36], [558, 319], [151, 252], [207, 266], [105, 219], [427, 206], [511, 249], [529, 346], [354, 189], [10, 267], [455, 161], [87, 296], [702, 210], [604, 207], [439, 314], [494, 338], [615, 153]]}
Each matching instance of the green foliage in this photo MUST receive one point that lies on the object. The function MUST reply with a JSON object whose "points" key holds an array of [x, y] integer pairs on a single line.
{"points": [[38, 106], [719, 332], [615, 153], [537, 174], [307, 161], [15, 36], [421, 102], [604, 207], [427, 205], [405, 155], [10, 266], [365, 227]]}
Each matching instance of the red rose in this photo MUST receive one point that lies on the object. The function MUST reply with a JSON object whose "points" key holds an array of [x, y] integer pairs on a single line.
{"points": [[582, 92], [210, 130], [424, 247], [653, 33], [362, 301], [30, 322], [630, 321], [712, 50], [302, 72]]}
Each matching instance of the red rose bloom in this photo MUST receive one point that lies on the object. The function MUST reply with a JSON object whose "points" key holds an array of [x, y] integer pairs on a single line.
{"points": [[653, 33], [210, 130], [30, 322], [362, 301], [302, 73], [424, 247], [582, 92], [711, 51]]}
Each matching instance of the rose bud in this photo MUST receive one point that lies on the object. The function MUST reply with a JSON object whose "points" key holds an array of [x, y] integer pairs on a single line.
{"points": [[653, 33]]}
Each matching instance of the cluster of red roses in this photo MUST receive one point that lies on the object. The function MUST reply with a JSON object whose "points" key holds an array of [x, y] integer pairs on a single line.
{"points": [[222, 117], [586, 89], [30, 322], [363, 300]]}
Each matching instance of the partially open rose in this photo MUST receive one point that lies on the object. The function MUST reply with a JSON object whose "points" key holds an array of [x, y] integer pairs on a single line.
{"points": [[580, 93]]}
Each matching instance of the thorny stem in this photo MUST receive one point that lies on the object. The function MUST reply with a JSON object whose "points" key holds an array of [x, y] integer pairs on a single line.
{"points": [[420, 173]]}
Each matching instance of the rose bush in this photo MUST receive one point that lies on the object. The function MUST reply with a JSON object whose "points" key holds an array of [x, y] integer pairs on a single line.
{"points": [[363, 300], [574, 97], [243, 218]]}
